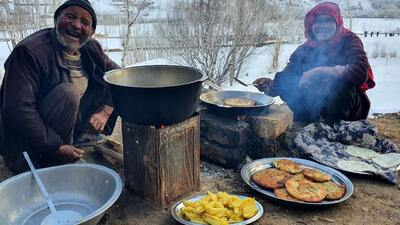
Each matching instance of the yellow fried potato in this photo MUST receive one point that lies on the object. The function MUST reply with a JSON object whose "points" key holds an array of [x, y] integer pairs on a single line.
{"points": [[218, 209]]}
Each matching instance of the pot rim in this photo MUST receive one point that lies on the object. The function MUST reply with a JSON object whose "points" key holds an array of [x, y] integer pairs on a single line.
{"points": [[201, 79]]}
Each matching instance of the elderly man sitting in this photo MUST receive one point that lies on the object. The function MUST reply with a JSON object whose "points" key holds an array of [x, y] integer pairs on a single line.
{"points": [[53, 90]]}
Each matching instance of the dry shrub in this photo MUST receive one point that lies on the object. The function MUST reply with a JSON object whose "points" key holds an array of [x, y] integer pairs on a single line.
{"points": [[383, 53]]}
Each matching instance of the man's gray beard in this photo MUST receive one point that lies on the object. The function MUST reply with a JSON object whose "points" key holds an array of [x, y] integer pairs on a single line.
{"points": [[67, 44]]}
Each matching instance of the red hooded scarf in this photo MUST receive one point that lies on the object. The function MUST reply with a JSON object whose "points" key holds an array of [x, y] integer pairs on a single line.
{"points": [[332, 9]]}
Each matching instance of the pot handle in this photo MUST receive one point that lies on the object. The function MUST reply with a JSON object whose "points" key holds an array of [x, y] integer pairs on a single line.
{"points": [[215, 86], [204, 78]]}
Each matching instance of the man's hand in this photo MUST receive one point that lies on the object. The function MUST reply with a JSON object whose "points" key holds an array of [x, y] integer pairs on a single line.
{"points": [[264, 84], [68, 153], [99, 120]]}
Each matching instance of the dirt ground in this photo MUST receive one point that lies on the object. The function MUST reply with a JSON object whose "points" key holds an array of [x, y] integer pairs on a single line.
{"points": [[373, 202]]}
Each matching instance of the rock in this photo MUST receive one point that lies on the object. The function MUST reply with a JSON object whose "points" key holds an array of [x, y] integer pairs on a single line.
{"points": [[248, 159], [377, 115], [263, 148], [272, 125], [227, 157], [387, 134], [223, 131]]}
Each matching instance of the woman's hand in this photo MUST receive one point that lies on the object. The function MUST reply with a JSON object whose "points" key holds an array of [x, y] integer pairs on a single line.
{"points": [[306, 78], [264, 84], [321, 72]]}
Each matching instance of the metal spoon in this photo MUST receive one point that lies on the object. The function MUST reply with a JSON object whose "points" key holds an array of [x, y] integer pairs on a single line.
{"points": [[243, 83], [62, 217]]}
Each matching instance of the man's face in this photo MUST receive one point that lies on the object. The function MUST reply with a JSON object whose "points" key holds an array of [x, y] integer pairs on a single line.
{"points": [[324, 28], [74, 27]]}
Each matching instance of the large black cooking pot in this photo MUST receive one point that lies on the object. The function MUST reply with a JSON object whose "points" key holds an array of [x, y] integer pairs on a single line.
{"points": [[156, 94]]}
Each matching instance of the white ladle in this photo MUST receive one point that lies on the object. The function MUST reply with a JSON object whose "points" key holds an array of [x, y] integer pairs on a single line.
{"points": [[62, 217]]}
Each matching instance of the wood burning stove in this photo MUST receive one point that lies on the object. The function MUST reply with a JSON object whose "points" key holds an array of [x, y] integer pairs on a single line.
{"points": [[162, 164]]}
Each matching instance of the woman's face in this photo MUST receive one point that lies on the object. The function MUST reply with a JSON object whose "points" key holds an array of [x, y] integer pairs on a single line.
{"points": [[324, 28]]}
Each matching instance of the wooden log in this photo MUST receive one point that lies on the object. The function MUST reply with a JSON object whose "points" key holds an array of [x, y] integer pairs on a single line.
{"points": [[115, 155], [161, 165], [114, 145]]}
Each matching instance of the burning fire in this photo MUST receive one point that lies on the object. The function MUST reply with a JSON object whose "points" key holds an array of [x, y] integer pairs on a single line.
{"points": [[241, 118], [162, 126]]}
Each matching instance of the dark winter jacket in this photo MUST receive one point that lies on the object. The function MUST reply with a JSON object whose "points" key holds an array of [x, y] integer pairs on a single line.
{"points": [[34, 68]]}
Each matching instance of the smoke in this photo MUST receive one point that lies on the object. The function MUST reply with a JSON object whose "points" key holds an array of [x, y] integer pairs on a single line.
{"points": [[309, 103]]}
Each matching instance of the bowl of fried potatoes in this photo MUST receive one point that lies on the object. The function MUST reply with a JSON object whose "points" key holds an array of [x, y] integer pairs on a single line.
{"points": [[219, 209]]}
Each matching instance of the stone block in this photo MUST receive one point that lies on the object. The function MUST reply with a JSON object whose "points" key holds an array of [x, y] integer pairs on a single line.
{"points": [[263, 148], [227, 157], [276, 122], [224, 131], [290, 135]]}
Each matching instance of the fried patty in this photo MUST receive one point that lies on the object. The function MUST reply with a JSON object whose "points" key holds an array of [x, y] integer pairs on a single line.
{"points": [[282, 193], [300, 176], [316, 175], [287, 166], [243, 102], [333, 191], [305, 190], [271, 178]]}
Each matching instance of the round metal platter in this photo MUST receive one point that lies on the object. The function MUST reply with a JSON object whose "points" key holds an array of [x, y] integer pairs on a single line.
{"points": [[266, 163], [177, 207]]}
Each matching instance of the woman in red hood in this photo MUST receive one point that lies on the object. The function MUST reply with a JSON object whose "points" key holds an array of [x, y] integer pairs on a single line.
{"points": [[328, 75]]}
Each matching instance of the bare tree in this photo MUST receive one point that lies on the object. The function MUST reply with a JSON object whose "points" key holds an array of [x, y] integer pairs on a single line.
{"points": [[286, 29], [133, 10], [19, 18], [216, 36], [348, 12]]}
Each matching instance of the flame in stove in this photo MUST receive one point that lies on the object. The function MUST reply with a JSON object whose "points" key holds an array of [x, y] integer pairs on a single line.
{"points": [[241, 117], [162, 126]]}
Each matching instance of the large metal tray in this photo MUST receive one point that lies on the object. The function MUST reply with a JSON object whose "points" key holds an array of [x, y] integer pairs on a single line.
{"points": [[177, 206], [266, 163]]}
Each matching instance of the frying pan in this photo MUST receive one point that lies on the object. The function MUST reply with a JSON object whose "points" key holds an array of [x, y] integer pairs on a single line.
{"points": [[215, 102]]}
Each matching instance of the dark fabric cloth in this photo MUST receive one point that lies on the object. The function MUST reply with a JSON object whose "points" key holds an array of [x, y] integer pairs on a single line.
{"points": [[59, 110], [342, 101], [327, 145], [81, 3], [33, 69], [346, 50]]}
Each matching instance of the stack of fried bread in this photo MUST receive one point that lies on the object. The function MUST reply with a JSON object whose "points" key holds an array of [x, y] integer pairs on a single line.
{"points": [[291, 182]]}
